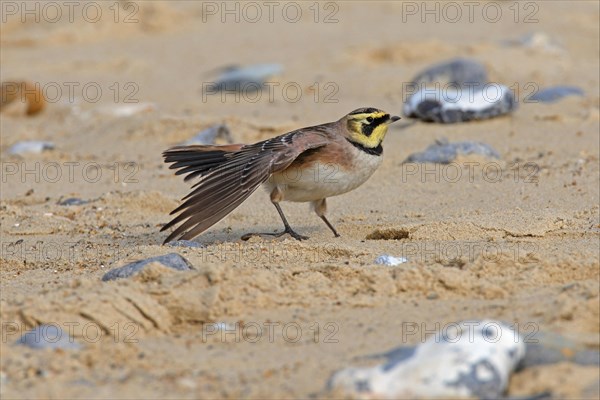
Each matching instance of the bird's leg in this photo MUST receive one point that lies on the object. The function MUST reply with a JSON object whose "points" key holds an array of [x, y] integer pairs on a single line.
{"points": [[276, 197], [320, 207], [288, 228]]}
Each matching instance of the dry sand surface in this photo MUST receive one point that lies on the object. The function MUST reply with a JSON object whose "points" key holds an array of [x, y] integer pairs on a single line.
{"points": [[509, 242]]}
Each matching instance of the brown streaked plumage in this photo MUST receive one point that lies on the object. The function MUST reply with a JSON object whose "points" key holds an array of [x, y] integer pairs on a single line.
{"points": [[306, 165]]}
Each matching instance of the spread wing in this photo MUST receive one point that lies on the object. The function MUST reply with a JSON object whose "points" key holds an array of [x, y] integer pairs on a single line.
{"points": [[230, 174]]}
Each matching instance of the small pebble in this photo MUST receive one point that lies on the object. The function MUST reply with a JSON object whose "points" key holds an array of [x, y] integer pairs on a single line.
{"points": [[459, 71], [209, 136], [30, 146], [248, 78], [443, 152], [555, 93], [117, 110], [432, 296], [171, 260], [390, 260], [185, 243], [224, 326], [72, 201], [537, 41], [48, 337], [129, 110]]}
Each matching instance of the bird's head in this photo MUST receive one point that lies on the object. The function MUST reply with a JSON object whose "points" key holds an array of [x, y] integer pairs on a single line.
{"points": [[368, 126]]}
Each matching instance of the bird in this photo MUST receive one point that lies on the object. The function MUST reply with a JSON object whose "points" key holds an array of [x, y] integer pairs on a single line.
{"points": [[305, 165]]}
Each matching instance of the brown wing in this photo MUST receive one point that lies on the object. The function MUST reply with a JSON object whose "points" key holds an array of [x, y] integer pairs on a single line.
{"points": [[198, 160], [228, 176]]}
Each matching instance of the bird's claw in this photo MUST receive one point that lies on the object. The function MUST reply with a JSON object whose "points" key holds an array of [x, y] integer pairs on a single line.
{"points": [[292, 233]]}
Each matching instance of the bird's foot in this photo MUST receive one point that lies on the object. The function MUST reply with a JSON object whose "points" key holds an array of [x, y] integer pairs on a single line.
{"points": [[290, 231]]}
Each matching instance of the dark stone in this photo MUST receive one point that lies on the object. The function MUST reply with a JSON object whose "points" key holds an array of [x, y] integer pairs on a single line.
{"points": [[72, 201]]}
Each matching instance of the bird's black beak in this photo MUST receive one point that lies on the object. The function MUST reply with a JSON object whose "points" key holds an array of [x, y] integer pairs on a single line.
{"points": [[394, 119]]}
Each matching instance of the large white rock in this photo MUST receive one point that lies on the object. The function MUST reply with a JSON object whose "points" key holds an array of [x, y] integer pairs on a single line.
{"points": [[468, 359]]}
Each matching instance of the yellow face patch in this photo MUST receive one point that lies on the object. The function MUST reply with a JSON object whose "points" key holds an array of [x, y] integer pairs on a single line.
{"points": [[368, 129]]}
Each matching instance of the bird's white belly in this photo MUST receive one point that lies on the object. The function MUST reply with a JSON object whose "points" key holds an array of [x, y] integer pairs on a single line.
{"points": [[321, 180]]}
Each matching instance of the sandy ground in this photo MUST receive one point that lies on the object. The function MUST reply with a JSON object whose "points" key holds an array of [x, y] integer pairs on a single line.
{"points": [[507, 240]]}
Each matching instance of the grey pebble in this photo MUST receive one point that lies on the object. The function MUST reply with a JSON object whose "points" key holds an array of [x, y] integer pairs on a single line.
{"points": [[72, 201], [171, 260], [248, 78], [555, 93], [30, 146], [48, 337], [443, 152], [432, 296], [209, 135], [391, 261], [458, 71], [185, 243]]}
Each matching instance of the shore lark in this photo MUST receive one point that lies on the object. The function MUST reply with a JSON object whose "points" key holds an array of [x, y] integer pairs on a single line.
{"points": [[305, 165]]}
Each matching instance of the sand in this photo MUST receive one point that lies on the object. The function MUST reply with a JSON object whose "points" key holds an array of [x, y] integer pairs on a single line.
{"points": [[515, 239]]}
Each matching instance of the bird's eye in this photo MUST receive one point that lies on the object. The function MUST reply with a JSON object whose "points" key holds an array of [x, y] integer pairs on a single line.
{"points": [[369, 119]]}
